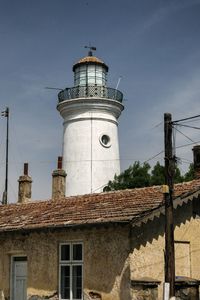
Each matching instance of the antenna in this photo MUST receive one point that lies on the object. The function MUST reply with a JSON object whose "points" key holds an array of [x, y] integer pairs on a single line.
{"points": [[118, 82], [5, 113], [53, 88], [91, 49]]}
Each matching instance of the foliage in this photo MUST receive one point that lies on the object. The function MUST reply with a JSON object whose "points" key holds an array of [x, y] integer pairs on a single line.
{"points": [[189, 175], [139, 175], [135, 176], [158, 174]]}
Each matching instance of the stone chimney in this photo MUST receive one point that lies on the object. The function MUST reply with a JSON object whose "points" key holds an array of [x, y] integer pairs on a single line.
{"points": [[196, 160], [25, 182], [58, 181]]}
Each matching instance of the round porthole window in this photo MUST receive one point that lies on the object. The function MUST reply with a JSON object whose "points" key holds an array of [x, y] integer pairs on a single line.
{"points": [[105, 140]]}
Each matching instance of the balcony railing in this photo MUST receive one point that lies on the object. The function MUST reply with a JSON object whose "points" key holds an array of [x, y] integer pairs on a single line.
{"points": [[88, 92]]}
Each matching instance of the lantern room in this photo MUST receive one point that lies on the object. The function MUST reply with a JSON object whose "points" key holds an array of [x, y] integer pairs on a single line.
{"points": [[90, 70]]}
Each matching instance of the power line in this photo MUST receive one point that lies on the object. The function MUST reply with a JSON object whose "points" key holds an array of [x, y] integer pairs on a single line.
{"points": [[184, 135], [157, 125], [185, 145], [193, 120], [185, 119], [153, 156], [193, 127]]}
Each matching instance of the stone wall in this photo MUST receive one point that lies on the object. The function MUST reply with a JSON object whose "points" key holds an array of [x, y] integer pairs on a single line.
{"points": [[144, 289], [187, 288]]}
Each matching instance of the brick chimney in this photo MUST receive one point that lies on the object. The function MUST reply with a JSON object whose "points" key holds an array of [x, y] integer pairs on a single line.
{"points": [[58, 181], [25, 182], [196, 160]]}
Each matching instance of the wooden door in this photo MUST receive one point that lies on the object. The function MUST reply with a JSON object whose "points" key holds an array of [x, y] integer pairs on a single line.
{"points": [[19, 278]]}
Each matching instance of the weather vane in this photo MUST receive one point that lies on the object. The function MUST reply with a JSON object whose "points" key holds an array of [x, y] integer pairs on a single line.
{"points": [[91, 49]]}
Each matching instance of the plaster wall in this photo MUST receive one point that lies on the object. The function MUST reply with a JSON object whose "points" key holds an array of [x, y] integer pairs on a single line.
{"points": [[147, 255], [88, 163], [106, 267]]}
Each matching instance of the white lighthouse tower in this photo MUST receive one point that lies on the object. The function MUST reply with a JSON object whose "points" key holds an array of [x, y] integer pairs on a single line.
{"points": [[90, 111]]}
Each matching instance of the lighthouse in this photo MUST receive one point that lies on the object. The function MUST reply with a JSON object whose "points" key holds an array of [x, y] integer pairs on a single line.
{"points": [[90, 110]]}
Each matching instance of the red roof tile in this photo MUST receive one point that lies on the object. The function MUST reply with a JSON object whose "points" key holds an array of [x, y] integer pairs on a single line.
{"points": [[118, 206]]}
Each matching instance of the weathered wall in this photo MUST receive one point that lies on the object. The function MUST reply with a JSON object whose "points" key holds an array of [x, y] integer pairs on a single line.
{"points": [[106, 268], [147, 243]]}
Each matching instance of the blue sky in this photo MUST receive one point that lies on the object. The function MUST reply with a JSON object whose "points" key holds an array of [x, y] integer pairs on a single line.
{"points": [[154, 45]]}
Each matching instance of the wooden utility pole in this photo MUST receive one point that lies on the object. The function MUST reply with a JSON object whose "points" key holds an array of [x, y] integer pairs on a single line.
{"points": [[168, 197], [5, 193]]}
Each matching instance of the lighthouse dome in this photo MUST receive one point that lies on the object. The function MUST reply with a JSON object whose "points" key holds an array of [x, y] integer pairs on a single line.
{"points": [[90, 60]]}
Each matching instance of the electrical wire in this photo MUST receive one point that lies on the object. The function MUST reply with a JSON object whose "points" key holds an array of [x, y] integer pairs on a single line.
{"points": [[158, 125], [193, 120], [193, 127], [153, 157], [185, 119], [185, 145], [173, 141], [184, 135]]}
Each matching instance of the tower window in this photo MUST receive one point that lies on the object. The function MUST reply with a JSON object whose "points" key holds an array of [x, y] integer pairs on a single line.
{"points": [[105, 140]]}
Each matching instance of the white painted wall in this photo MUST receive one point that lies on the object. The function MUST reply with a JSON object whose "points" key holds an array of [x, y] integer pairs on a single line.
{"points": [[88, 164]]}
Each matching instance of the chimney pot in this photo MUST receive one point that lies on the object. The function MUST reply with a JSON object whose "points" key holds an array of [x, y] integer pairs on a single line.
{"points": [[59, 162], [25, 168], [58, 181]]}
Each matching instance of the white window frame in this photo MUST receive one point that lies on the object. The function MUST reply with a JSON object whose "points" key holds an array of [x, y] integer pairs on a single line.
{"points": [[70, 263]]}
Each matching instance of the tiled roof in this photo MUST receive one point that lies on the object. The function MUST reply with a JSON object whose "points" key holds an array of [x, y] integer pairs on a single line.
{"points": [[118, 206]]}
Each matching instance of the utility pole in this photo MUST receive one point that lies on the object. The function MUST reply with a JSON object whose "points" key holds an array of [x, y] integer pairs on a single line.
{"points": [[5, 193], [168, 197]]}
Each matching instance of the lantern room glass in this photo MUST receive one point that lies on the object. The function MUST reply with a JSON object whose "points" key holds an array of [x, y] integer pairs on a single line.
{"points": [[91, 74]]}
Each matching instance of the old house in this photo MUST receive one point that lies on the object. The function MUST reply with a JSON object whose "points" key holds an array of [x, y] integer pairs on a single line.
{"points": [[107, 246]]}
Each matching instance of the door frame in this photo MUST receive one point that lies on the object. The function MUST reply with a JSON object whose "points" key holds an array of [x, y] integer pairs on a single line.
{"points": [[12, 269]]}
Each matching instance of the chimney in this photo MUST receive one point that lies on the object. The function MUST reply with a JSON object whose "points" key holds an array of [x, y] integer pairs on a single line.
{"points": [[25, 182], [58, 181], [196, 159]]}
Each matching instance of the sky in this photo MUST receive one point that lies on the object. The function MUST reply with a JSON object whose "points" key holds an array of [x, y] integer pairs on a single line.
{"points": [[153, 45]]}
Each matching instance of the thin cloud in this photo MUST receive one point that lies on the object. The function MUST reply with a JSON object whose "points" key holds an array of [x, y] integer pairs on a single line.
{"points": [[162, 13]]}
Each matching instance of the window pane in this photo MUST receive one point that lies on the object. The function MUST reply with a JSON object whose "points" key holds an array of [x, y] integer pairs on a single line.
{"points": [[99, 68], [99, 74], [91, 72], [77, 252], [99, 81], [82, 74], [91, 79], [65, 252], [65, 282], [83, 68], [82, 81], [91, 68], [77, 282]]}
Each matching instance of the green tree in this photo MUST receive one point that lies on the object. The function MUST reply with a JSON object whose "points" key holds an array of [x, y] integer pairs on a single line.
{"points": [[158, 174], [138, 175], [177, 175], [189, 175], [135, 176]]}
